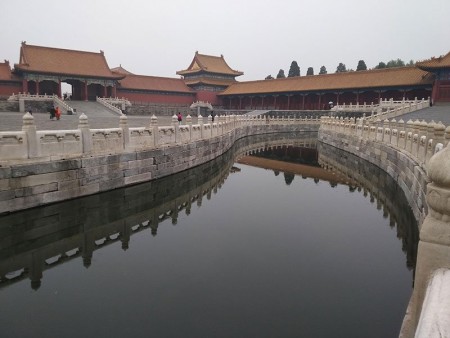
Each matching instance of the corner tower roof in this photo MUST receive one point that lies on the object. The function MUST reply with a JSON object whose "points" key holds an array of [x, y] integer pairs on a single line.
{"points": [[209, 64], [442, 61]]}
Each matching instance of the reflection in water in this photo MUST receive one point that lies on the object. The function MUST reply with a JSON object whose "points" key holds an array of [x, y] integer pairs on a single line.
{"points": [[338, 167], [260, 259], [35, 240], [381, 189]]}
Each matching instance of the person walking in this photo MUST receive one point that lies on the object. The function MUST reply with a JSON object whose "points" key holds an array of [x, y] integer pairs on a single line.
{"points": [[180, 118], [57, 113]]}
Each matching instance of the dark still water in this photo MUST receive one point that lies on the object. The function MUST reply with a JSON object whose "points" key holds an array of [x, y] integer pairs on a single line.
{"points": [[213, 252]]}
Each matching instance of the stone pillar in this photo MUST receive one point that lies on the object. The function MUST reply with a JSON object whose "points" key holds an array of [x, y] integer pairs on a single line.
{"points": [[434, 245], [28, 126], [189, 123], [210, 125], [176, 127], [125, 131], [86, 137], [21, 105], [154, 128]]}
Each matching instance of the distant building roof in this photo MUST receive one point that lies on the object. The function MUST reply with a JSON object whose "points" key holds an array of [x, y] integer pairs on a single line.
{"points": [[209, 81], [378, 78], [210, 64], [6, 74], [154, 83], [37, 59], [435, 63], [121, 70]]}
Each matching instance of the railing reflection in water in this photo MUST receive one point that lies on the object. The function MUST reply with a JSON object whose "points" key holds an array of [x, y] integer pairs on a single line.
{"points": [[35, 240]]}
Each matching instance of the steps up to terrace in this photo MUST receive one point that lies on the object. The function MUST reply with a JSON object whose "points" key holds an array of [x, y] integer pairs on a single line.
{"points": [[436, 113], [91, 109]]}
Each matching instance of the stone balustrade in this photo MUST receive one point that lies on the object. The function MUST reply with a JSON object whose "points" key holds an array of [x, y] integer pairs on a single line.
{"points": [[22, 97], [385, 108], [46, 166], [112, 103], [417, 155]]}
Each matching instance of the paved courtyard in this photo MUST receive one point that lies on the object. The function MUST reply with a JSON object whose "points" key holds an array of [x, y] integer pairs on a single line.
{"points": [[12, 121]]}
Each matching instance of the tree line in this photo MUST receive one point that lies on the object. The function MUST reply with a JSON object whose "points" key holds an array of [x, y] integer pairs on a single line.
{"points": [[294, 70]]}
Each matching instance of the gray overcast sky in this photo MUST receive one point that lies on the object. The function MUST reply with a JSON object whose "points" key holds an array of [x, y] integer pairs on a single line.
{"points": [[258, 37]]}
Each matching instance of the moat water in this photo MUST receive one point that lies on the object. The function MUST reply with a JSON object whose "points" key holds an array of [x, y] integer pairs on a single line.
{"points": [[223, 250]]}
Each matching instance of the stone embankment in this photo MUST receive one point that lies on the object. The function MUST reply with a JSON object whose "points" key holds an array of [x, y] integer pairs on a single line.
{"points": [[416, 155], [39, 167]]}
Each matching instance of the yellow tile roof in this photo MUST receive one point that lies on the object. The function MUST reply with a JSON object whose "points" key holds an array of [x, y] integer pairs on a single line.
{"points": [[378, 78], [5, 72], [48, 60], [210, 64], [155, 83], [209, 81], [442, 61]]}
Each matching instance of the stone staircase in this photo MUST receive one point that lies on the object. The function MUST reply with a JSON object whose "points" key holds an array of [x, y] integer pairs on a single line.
{"points": [[91, 109], [436, 113]]}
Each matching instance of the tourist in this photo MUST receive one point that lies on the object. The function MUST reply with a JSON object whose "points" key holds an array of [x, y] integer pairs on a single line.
{"points": [[57, 113], [212, 116], [180, 118], [52, 113]]}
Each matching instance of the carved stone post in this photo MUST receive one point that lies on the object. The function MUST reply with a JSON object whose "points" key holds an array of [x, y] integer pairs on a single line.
{"points": [[28, 126], [434, 245], [154, 129], [86, 137], [125, 131]]}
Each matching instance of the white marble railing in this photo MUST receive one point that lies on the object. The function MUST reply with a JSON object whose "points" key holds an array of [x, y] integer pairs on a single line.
{"points": [[385, 108], [30, 144], [428, 145], [21, 97], [420, 140], [111, 103]]}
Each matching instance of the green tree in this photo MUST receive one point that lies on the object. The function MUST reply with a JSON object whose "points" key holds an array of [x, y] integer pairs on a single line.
{"points": [[294, 70], [361, 65], [269, 77], [395, 63], [310, 71], [280, 74], [411, 63], [323, 70], [341, 68], [381, 65]]}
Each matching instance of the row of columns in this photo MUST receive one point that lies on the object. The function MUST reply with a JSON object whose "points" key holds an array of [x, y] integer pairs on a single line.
{"points": [[59, 91], [320, 95]]}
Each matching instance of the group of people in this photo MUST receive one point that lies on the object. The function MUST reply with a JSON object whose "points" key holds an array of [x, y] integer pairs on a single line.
{"points": [[55, 112]]}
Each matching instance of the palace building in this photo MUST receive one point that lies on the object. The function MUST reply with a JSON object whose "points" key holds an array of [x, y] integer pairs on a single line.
{"points": [[43, 70]]}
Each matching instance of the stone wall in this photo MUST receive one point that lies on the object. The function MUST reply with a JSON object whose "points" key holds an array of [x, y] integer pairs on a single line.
{"points": [[7, 106], [404, 170], [417, 156], [87, 161]]}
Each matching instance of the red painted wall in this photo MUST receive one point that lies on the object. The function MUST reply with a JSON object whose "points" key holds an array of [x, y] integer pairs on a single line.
{"points": [[7, 89], [210, 97]]}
